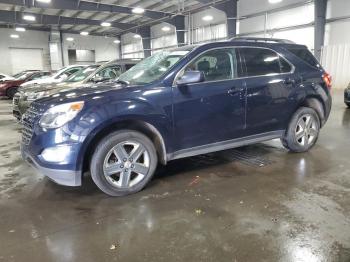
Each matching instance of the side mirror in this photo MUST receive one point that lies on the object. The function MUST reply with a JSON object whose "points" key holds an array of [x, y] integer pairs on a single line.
{"points": [[63, 77], [190, 77]]}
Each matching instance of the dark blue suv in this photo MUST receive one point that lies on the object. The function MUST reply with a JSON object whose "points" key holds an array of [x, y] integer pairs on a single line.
{"points": [[179, 103]]}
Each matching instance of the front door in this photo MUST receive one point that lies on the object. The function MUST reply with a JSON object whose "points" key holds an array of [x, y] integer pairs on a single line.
{"points": [[213, 110]]}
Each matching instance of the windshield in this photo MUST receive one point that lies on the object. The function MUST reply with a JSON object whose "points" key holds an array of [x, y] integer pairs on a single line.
{"points": [[81, 74], [23, 76], [152, 68]]}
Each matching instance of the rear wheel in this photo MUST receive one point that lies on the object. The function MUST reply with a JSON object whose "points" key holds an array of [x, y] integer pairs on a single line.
{"points": [[123, 163], [303, 130], [10, 93], [348, 105]]}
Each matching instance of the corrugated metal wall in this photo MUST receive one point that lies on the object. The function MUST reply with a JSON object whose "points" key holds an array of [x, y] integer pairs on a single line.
{"points": [[336, 60]]}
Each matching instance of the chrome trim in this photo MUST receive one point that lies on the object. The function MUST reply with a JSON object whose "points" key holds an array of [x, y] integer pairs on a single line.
{"points": [[219, 146], [244, 77]]}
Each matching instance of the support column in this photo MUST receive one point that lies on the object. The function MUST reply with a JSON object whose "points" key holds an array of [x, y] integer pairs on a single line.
{"points": [[320, 25], [230, 8], [179, 23], [55, 48], [145, 33]]}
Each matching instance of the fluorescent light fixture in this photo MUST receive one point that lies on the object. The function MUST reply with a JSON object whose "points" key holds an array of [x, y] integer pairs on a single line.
{"points": [[137, 36], [84, 33], [29, 17], [20, 29], [116, 41], [14, 36], [106, 24], [207, 18], [70, 39], [44, 1], [275, 1], [138, 10], [166, 28]]}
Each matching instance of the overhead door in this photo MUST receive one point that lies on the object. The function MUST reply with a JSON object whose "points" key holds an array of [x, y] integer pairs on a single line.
{"points": [[26, 59]]}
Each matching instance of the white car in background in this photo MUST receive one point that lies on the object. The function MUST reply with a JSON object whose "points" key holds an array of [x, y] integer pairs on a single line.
{"points": [[58, 77], [4, 77]]}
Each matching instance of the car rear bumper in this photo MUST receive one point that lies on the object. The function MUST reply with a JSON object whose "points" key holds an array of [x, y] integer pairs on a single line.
{"points": [[61, 177]]}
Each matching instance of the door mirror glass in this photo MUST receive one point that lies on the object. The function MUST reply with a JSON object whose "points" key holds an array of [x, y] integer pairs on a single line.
{"points": [[190, 77]]}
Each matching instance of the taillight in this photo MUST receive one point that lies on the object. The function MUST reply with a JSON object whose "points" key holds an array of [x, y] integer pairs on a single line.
{"points": [[327, 78]]}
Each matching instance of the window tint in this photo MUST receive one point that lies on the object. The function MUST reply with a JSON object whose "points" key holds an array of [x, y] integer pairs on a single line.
{"points": [[111, 72], [260, 62], [72, 71], [305, 55], [128, 66], [219, 64]]}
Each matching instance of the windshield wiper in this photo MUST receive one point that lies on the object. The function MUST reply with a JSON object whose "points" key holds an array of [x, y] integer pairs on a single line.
{"points": [[122, 82]]}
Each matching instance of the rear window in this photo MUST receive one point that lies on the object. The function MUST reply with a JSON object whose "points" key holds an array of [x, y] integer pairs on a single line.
{"points": [[261, 62], [305, 55]]}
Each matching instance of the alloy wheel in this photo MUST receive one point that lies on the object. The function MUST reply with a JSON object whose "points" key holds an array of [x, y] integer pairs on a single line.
{"points": [[306, 130], [126, 164]]}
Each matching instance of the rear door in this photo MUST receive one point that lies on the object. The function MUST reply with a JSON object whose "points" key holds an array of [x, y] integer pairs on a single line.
{"points": [[214, 110], [270, 82]]}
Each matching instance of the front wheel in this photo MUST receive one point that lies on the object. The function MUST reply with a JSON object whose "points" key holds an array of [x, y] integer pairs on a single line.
{"points": [[10, 93], [123, 163], [303, 130]]}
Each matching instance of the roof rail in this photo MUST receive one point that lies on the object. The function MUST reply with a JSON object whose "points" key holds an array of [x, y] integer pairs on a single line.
{"points": [[261, 39]]}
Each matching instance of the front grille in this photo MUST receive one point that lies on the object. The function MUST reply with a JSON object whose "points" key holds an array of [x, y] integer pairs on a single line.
{"points": [[28, 121]]}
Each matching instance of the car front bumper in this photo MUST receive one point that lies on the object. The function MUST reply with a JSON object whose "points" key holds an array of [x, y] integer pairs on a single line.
{"points": [[347, 96], [20, 106], [59, 176]]}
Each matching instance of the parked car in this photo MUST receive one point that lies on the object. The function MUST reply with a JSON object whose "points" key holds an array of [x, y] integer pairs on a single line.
{"points": [[4, 77], [87, 76], [9, 88], [58, 77], [347, 96], [180, 103]]}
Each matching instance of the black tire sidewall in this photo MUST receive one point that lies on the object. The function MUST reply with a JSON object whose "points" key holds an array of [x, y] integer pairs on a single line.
{"points": [[10, 93], [105, 145], [289, 140]]}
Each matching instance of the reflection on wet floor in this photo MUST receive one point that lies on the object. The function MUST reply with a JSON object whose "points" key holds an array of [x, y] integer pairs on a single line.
{"points": [[255, 203]]}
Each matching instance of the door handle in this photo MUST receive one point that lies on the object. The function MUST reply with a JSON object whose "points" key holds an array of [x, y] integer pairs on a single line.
{"points": [[232, 91]]}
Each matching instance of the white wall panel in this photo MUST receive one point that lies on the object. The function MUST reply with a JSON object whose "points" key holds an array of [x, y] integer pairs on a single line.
{"points": [[337, 8], [131, 47], [254, 24], [304, 36], [335, 59], [26, 59], [28, 39], [105, 49]]}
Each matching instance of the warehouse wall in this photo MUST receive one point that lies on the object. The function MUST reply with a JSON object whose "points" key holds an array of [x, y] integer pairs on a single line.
{"points": [[105, 49], [28, 39], [336, 52], [131, 47]]}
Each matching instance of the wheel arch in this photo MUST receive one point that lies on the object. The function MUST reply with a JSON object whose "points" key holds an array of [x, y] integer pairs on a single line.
{"points": [[136, 125], [316, 104]]}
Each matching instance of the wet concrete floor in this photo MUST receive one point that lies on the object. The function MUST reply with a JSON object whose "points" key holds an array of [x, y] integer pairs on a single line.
{"points": [[257, 203]]}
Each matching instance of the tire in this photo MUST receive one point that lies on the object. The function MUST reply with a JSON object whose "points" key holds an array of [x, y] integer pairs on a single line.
{"points": [[10, 93], [303, 131], [348, 105], [112, 168]]}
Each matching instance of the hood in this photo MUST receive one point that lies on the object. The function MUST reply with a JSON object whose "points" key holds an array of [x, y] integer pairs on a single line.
{"points": [[81, 93], [40, 81], [37, 88]]}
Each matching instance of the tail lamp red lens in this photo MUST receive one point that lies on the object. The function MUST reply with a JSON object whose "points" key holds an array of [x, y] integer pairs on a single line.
{"points": [[327, 78]]}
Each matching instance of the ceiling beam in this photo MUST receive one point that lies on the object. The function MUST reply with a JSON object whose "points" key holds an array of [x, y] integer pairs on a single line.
{"points": [[15, 17], [80, 5]]}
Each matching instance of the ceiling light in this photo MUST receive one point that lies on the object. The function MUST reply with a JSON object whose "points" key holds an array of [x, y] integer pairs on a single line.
{"points": [[20, 29], [207, 18], [166, 28], [137, 36], [70, 39], [116, 41], [29, 17], [106, 24], [14, 36], [275, 1], [84, 33], [44, 1], [138, 10]]}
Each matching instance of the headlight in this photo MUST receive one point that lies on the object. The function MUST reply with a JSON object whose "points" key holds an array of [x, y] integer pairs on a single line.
{"points": [[59, 115], [37, 95]]}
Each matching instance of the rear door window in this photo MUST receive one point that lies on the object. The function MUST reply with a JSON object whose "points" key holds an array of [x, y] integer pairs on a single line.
{"points": [[262, 62], [305, 55]]}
